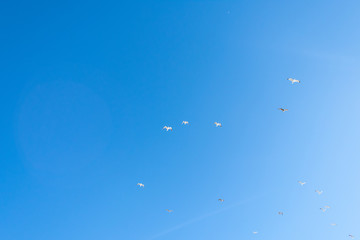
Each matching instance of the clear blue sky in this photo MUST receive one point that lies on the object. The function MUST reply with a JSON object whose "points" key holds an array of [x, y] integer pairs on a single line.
{"points": [[88, 85]]}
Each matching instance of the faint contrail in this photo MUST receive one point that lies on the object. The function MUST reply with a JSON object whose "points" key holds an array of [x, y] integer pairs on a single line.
{"points": [[197, 219]]}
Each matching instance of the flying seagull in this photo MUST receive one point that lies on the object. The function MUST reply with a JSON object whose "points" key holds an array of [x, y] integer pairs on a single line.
{"points": [[185, 122], [167, 128], [255, 232], [324, 208], [221, 200], [169, 211], [281, 213], [293, 80], [333, 224], [319, 192], [140, 185], [302, 183], [218, 124], [283, 109], [351, 236]]}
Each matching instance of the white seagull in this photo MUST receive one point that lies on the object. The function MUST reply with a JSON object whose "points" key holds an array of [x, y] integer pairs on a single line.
{"points": [[333, 224], [302, 183], [167, 128], [283, 109], [324, 208], [319, 192], [185, 122], [140, 185], [293, 80], [255, 232], [169, 211], [218, 124]]}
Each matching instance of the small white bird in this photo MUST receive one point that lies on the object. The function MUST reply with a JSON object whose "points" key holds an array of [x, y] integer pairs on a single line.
{"points": [[221, 200], [351, 236], [327, 207], [283, 109], [255, 232], [140, 185], [169, 211], [323, 209], [319, 192], [302, 183], [333, 224], [167, 128], [281, 213], [185, 122], [293, 80], [218, 124]]}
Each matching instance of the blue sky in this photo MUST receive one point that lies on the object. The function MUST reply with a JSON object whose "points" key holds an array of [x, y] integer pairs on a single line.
{"points": [[87, 87]]}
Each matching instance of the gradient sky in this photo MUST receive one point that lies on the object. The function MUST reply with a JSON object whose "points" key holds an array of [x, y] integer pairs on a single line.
{"points": [[88, 85]]}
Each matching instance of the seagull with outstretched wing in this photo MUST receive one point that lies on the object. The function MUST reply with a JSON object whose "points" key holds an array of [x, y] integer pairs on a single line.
{"points": [[302, 183], [283, 109], [319, 192], [185, 123], [293, 80], [167, 128], [140, 185], [169, 210], [217, 124]]}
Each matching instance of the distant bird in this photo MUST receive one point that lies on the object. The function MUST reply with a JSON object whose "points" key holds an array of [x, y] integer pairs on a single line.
{"points": [[140, 185], [283, 109], [293, 80], [281, 213], [185, 122], [326, 207], [319, 192], [351, 236], [302, 183], [167, 128], [169, 211], [255, 232], [323, 209], [221, 200], [218, 124], [333, 224]]}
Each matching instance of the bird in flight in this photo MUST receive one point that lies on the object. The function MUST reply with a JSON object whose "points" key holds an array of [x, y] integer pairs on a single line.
{"points": [[167, 128], [218, 124], [185, 122], [221, 200], [283, 109], [324, 208], [351, 236], [319, 192], [169, 211], [255, 232], [333, 224], [293, 80], [140, 185], [302, 183], [281, 213]]}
